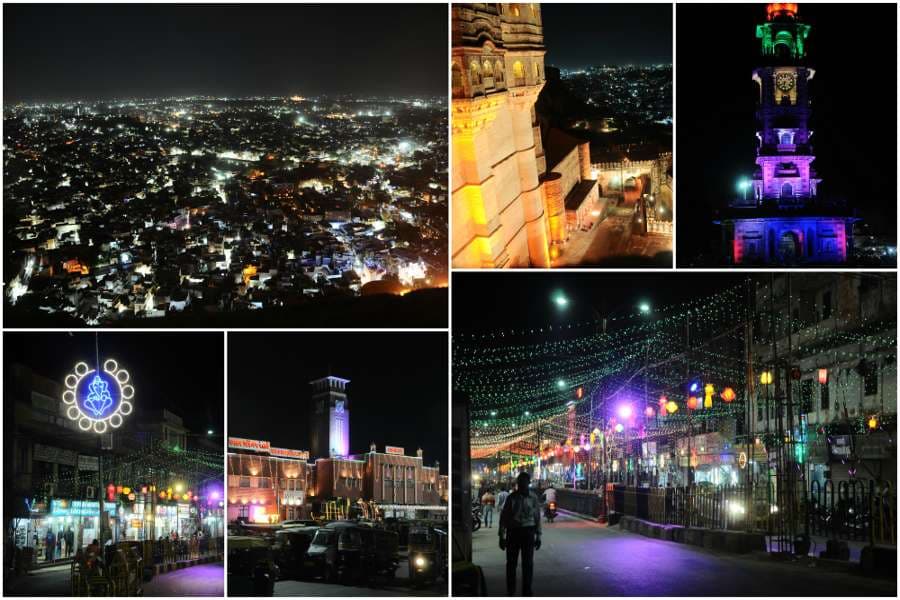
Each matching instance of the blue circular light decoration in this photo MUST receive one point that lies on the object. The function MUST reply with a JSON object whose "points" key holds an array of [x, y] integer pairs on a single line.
{"points": [[98, 399]]}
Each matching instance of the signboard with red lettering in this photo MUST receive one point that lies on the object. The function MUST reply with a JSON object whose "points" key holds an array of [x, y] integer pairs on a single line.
{"points": [[288, 453], [394, 450], [245, 444]]}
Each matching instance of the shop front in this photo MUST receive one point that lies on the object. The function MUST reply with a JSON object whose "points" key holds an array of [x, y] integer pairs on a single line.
{"points": [[59, 530]]}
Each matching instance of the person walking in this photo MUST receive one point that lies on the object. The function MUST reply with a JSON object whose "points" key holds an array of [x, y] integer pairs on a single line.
{"points": [[487, 505], [520, 533], [70, 541], [501, 498]]}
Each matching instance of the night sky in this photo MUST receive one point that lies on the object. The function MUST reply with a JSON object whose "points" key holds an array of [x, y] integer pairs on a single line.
{"points": [[527, 298], [181, 372], [90, 51], [397, 391], [584, 35], [854, 111]]}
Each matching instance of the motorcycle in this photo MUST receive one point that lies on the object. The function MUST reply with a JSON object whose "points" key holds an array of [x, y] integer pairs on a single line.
{"points": [[550, 511], [476, 516]]}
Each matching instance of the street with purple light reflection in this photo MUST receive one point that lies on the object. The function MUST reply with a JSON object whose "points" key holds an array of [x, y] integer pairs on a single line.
{"points": [[582, 558], [200, 580]]}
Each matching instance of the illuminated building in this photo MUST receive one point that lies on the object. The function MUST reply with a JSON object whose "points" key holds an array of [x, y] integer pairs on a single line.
{"points": [[500, 218], [779, 217]]}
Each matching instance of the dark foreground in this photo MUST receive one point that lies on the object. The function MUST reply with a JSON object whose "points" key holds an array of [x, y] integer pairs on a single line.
{"points": [[581, 558], [200, 580]]}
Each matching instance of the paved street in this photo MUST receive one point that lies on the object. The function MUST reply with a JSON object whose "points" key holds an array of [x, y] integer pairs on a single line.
{"points": [[202, 580], [398, 587], [581, 558]]}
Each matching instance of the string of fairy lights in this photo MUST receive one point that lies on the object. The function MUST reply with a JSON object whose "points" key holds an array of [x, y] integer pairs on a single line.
{"points": [[528, 386]]}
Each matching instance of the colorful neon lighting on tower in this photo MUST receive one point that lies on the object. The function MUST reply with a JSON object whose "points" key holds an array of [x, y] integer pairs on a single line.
{"points": [[781, 217]]}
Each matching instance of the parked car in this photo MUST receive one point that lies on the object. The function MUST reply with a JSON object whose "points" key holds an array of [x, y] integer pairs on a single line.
{"points": [[349, 552]]}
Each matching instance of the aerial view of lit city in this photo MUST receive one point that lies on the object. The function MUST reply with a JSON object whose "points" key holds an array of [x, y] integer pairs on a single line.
{"points": [[291, 192], [582, 97]]}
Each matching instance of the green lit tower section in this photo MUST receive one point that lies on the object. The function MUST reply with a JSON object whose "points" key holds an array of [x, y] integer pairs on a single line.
{"points": [[783, 220]]}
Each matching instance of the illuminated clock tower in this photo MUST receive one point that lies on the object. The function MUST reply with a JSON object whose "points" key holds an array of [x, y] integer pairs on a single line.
{"points": [[779, 216], [330, 418]]}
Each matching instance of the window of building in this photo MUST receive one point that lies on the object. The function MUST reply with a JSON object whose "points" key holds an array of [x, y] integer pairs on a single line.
{"points": [[787, 191], [825, 399], [244, 511], [759, 410], [245, 482], [787, 138], [475, 71], [870, 381], [806, 395], [488, 68], [826, 305], [519, 72], [514, 10], [498, 70]]}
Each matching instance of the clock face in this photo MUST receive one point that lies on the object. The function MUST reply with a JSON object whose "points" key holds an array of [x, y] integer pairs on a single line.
{"points": [[784, 81]]}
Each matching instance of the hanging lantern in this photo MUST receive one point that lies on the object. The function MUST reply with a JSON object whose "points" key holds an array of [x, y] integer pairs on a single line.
{"points": [[765, 377], [823, 376], [671, 407], [728, 395], [692, 403], [118, 489], [662, 410], [162, 495], [111, 492], [126, 490], [143, 489], [649, 412], [873, 422], [663, 400], [708, 391]]}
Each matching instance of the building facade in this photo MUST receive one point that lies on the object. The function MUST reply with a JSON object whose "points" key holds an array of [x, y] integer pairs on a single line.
{"points": [[779, 216], [500, 218]]}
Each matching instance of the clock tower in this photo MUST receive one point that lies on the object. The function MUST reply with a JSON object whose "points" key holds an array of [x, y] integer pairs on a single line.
{"points": [[780, 216]]}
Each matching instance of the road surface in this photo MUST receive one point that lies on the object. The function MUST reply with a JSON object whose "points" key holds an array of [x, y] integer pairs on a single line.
{"points": [[399, 586], [201, 580], [581, 558]]}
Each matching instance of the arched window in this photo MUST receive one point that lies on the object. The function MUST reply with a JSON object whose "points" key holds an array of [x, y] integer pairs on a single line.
{"points": [[787, 191], [787, 138], [498, 70], [487, 68], [514, 10], [537, 72], [456, 78], [475, 73], [519, 73]]}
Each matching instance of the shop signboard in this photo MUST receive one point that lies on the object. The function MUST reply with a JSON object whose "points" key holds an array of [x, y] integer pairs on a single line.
{"points": [[394, 450], [76, 508], [839, 447], [245, 444], [88, 463]]}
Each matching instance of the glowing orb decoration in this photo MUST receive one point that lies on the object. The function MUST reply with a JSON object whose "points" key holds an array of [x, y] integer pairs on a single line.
{"points": [[98, 400]]}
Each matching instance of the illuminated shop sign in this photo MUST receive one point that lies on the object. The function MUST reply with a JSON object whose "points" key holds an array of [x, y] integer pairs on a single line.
{"points": [[98, 399], [77, 508], [394, 450], [266, 448]]}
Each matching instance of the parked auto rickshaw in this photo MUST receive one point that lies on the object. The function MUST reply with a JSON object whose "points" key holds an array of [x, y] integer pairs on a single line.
{"points": [[252, 571], [427, 554], [349, 552], [290, 550]]}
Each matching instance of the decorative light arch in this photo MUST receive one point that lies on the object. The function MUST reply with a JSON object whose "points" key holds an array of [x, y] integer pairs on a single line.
{"points": [[98, 400]]}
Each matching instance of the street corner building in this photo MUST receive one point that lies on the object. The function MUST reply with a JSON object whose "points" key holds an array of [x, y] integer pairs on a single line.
{"points": [[270, 485], [778, 216]]}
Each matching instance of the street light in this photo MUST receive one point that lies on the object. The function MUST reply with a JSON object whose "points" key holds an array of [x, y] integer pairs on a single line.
{"points": [[209, 432], [644, 307], [743, 185], [561, 300], [560, 383]]}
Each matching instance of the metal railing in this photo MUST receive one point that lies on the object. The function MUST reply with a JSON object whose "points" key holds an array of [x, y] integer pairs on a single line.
{"points": [[857, 509]]}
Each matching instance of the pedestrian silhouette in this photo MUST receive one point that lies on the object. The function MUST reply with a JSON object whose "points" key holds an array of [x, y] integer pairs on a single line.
{"points": [[520, 533]]}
